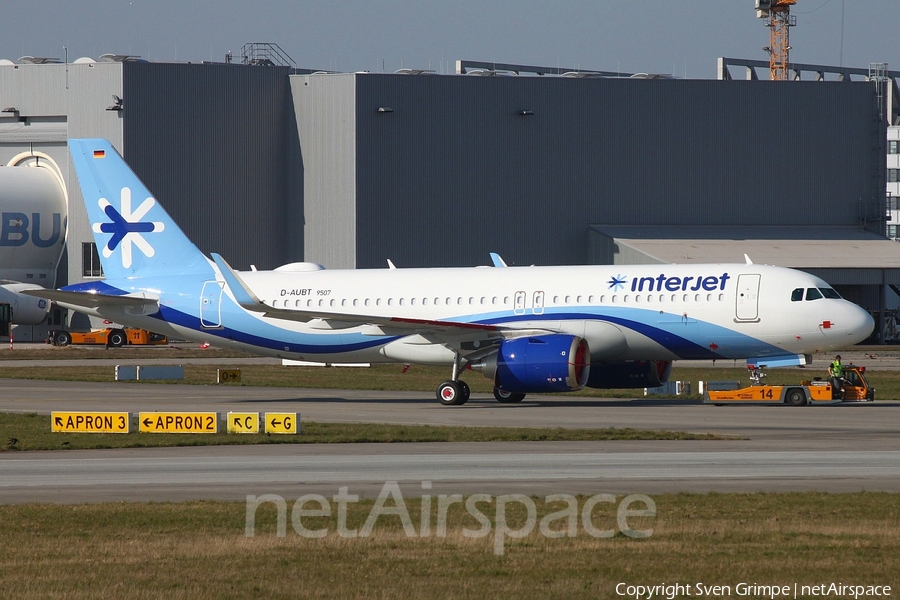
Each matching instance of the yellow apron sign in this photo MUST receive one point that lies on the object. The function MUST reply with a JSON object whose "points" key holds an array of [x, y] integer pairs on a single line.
{"points": [[243, 422], [178, 422], [282, 422], [90, 422]]}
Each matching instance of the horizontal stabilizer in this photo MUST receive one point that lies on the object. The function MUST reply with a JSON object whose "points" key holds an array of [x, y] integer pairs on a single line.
{"points": [[92, 300]]}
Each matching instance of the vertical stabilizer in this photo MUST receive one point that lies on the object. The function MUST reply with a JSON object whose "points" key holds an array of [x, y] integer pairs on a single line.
{"points": [[135, 236]]}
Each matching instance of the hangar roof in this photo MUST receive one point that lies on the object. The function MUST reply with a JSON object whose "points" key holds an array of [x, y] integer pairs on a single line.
{"points": [[786, 246]]}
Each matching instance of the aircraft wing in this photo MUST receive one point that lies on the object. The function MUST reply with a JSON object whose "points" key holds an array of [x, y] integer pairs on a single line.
{"points": [[93, 301], [331, 320]]}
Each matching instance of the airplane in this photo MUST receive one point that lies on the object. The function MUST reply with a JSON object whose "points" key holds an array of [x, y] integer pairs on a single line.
{"points": [[537, 329], [32, 236]]}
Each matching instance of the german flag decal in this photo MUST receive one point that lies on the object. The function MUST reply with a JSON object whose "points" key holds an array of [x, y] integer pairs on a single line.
{"points": [[99, 153]]}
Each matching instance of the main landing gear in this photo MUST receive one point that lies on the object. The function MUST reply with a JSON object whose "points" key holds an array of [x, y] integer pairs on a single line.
{"points": [[505, 397], [456, 392], [453, 393]]}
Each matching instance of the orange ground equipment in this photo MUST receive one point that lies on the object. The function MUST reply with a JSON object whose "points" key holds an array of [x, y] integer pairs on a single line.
{"points": [[113, 338], [854, 388]]}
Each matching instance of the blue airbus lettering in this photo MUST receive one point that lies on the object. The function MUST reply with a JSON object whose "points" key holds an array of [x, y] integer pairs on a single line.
{"points": [[689, 283], [14, 230]]}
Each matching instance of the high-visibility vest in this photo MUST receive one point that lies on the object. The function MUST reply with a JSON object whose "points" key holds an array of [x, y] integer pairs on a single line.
{"points": [[837, 369]]}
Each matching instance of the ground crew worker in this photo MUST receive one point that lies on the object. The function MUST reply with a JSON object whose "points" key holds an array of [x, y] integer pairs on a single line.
{"points": [[836, 374]]}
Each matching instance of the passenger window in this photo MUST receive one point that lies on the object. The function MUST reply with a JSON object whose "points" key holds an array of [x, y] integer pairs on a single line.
{"points": [[813, 294], [797, 295]]}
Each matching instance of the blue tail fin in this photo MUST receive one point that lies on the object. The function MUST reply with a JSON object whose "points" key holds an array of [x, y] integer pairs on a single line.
{"points": [[134, 235]]}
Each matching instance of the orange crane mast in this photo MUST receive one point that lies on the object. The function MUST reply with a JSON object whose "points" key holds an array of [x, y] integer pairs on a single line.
{"points": [[779, 21]]}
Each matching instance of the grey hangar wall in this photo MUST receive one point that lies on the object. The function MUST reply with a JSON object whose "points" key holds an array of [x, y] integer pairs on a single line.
{"points": [[463, 165]]}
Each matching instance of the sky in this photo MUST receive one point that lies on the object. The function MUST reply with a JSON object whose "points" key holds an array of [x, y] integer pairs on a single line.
{"points": [[653, 36]]}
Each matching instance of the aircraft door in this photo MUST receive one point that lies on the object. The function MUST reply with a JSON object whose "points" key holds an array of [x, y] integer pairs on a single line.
{"points": [[210, 304], [747, 301], [537, 306], [519, 306]]}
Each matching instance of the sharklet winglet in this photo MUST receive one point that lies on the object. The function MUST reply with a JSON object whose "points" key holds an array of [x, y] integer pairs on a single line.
{"points": [[242, 294]]}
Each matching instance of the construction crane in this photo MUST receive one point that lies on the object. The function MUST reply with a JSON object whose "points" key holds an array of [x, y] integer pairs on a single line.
{"points": [[779, 21]]}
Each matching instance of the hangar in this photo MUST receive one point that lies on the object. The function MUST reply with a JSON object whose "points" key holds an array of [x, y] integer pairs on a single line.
{"points": [[270, 164]]}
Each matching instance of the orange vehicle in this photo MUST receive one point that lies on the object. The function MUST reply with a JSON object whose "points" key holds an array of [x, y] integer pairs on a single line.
{"points": [[113, 338], [855, 388]]}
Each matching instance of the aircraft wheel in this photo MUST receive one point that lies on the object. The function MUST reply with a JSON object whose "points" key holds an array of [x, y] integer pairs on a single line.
{"points": [[116, 339], [464, 389], [450, 393], [795, 398], [63, 338], [505, 397]]}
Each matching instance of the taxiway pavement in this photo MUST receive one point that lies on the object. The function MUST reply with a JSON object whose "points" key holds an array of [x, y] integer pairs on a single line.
{"points": [[837, 448]]}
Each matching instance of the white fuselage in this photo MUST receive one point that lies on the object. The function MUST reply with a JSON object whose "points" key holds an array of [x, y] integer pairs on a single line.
{"points": [[640, 312]]}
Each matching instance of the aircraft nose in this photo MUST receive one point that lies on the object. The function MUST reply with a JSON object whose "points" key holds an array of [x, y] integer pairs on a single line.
{"points": [[858, 324]]}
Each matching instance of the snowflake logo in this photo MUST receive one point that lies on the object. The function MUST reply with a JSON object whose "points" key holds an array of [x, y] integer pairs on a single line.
{"points": [[617, 282], [127, 228]]}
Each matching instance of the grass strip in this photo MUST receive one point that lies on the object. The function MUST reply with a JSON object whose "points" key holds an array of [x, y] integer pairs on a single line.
{"points": [[32, 432], [198, 550], [417, 378], [51, 353]]}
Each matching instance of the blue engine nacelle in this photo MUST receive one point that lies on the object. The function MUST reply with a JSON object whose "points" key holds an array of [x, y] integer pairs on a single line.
{"points": [[629, 374], [544, 363]]}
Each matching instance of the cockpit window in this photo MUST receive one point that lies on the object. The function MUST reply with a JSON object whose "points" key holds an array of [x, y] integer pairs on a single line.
{"points": [[830, 293], [813, 294], [797, 295]]}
